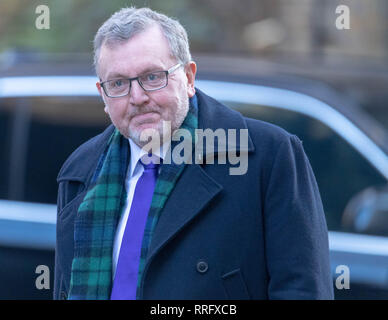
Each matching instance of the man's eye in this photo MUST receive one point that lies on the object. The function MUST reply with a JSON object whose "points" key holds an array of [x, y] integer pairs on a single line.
{"points": [[117, 83], [152, 77]]}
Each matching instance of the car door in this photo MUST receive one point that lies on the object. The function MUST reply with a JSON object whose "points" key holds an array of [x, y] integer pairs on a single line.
{"points": [[37, 134]]}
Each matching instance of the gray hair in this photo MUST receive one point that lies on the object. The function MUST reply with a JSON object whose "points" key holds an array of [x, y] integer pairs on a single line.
{"points": [[127, 22]]}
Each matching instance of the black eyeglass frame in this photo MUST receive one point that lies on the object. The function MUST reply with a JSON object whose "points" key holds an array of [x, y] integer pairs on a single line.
{"points": [[167, 72]]}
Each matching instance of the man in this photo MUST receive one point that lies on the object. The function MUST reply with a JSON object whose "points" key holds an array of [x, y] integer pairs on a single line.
{"points": [[135, 224]]}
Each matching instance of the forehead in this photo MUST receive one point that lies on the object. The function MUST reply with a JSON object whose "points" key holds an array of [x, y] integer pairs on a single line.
{"points": [[143, 52]]}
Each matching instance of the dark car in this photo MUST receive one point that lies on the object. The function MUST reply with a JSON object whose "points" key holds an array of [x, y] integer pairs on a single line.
{"points": [[43, 119]]}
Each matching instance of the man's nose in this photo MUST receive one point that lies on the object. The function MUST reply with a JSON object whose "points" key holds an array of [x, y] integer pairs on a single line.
{"points": [[137, 95]]}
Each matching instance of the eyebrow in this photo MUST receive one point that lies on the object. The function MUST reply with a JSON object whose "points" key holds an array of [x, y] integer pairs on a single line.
{"points": [[118, 75]]}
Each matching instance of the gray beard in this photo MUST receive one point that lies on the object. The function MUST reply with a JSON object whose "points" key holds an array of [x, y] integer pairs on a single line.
{"points": [[181, 114]]}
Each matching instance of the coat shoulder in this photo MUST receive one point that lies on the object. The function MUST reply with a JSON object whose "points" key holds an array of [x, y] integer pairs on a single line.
{"points": [[267, 135], [80, 162], [267, 130]]}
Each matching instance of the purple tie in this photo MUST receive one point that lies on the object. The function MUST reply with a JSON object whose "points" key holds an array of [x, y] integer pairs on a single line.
{"points": [[125, 281]]}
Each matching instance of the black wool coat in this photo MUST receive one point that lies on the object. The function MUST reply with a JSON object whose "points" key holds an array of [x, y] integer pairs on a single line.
{"points": [[260, 235]]}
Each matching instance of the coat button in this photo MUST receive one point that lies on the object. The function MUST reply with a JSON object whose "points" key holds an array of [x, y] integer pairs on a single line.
{"points": [[202, 266]]}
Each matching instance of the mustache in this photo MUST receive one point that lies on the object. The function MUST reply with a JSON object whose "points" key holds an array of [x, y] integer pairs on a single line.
{"points": [[143, 110]]}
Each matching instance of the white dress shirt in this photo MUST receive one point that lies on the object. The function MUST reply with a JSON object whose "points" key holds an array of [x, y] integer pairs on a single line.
{"points": [[134, 172]]}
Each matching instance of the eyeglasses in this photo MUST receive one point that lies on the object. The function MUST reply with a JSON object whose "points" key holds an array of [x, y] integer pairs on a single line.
{"points": [[149, 82]]}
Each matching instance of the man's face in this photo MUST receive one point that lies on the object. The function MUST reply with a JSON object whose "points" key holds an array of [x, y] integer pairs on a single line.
{"points": [[145, 52]]}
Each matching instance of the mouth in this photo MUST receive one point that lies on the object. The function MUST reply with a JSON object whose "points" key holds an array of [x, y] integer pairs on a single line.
{"points": [[148, 117]]}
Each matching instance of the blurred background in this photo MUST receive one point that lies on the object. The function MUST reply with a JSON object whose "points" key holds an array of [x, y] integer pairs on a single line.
{"points": [[301, 35], [297, 46]]}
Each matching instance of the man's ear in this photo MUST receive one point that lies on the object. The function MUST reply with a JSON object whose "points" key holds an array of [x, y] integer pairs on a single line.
{"points": [[101, 92], [190, 71]]}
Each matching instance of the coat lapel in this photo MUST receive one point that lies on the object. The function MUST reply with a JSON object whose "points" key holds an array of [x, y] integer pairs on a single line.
{"points": [[193, 191]]}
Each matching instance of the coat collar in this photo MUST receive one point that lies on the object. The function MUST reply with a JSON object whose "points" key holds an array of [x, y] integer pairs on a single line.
{"points": [[82, 163], [213, 115]]}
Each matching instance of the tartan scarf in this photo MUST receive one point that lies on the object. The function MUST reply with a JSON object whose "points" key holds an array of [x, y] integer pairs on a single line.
{"points": [[99, 213]]}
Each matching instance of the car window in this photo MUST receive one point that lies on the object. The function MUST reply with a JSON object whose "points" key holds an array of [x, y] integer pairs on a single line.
{"points": [[340, 170], [42, 133], [4, 128]]}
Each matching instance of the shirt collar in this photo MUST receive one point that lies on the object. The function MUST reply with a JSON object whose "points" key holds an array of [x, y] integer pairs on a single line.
{"points": [[137, 153]]}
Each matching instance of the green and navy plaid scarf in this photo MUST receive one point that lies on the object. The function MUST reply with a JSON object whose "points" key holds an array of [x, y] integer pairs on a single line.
{"points": [[99, 213]]}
